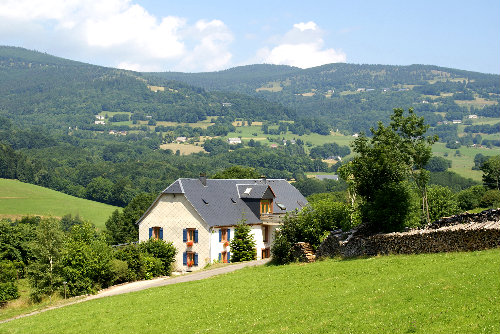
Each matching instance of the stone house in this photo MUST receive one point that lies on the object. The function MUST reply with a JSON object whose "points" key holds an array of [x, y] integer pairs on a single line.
{"points": [[199, 216]]}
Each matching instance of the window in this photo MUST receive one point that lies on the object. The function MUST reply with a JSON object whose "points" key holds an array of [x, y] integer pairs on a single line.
{"points": [[190, 235], [265, 233], [224, 234], [266, 252], [190, 259], [225, 257], [156, 233], [266, 206]]}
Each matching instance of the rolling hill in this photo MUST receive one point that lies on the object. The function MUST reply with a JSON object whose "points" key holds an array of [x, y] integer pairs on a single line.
{"points": [[19, 199], [455, 293]]}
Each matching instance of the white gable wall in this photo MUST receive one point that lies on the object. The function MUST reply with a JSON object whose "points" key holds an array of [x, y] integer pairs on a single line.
{"points": [[257, 232], [174, 213]]}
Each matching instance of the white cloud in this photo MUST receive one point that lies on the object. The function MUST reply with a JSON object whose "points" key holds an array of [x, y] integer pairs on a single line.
{"points": [[303, 46], [115, 33]]}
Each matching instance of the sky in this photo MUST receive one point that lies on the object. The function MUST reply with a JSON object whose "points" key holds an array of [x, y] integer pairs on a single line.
{"points": [[201, 36]]}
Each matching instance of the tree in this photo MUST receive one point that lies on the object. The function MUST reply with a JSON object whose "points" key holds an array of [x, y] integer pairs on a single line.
{"points": [[438, 164], [121, 226], [237, 172], [86, 261], [394, 154], [491, 172], [44, 272], [242, 244]]}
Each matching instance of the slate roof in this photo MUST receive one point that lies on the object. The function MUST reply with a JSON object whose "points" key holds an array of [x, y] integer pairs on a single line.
{"points": [[223, 202]]}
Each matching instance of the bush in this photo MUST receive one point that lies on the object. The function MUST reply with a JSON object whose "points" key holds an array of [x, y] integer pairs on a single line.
{"points": [[442, 202], [491, 199], [8, 287], [311, 225], [470, 198], [161, 250], [119, 269]]}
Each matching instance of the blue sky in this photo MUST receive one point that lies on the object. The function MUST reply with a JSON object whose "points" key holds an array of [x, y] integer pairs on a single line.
{"points": [[195, 36]]}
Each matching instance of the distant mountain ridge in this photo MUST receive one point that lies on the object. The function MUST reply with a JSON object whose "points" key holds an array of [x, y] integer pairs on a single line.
{"points": [[39, 89]]}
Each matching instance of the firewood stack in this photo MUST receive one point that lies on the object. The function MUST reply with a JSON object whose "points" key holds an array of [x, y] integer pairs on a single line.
{"points": [[303, 252]]}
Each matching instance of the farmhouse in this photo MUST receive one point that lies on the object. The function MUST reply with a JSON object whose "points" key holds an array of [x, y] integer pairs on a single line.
{"points": [[199, 216], [234, 141]]}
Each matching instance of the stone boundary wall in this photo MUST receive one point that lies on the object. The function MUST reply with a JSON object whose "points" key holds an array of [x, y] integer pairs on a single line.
{"points": [[464, 232]]}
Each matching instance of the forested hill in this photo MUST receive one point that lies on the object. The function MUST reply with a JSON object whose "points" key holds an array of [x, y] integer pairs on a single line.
{"points": [[39, 89], [338, 76], [353, 97]]}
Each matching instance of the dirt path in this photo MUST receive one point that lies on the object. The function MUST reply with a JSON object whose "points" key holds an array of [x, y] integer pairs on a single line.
{"points": [[142, 285]]}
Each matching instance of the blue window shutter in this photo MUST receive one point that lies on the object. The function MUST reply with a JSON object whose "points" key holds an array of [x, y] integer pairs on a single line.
{"points": [[184, 235], [150, 232], [195, 235], [228, 257], [220, 235], [161, 233], [195, 259], [220, 257], [185, 258], [228, 234]]}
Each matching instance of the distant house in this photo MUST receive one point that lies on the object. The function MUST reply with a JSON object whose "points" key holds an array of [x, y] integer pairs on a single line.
{"points": [[100, 122], [472, 116], [273, 145], [99, 117], [327, 177], [356, 135], [181, 139], [234, 141], [457, 121], [199, 216]]}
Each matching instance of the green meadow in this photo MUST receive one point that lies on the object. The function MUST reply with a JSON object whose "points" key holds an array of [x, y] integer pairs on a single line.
{"points": [[19, 199], [428, 293]]}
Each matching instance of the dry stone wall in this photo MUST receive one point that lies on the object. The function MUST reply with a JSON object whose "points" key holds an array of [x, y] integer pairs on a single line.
{"points": [[465, 232]]}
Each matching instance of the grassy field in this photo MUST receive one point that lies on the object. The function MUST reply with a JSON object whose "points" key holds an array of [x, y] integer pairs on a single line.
{"points": [[19, 199], [463, 164], [184, 149], [432, 293]]}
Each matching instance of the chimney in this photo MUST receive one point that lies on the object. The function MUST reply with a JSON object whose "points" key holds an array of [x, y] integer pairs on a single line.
{"points": [[203, 179], [263, 178]]}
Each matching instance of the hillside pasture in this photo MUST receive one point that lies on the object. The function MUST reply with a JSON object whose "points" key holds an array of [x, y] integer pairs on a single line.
{"points": [[18, 199], [463, 164], [185, 149], [429, 293]]}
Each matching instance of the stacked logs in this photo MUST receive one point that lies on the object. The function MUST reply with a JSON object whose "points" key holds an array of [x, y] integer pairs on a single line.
{"points": [[303, 252], [465, 232]]}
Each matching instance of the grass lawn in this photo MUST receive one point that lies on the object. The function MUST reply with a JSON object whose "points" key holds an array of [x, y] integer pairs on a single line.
{"points": [[19, 199], [431, 293]]}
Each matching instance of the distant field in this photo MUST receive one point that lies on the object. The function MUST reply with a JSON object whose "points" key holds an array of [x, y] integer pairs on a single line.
{"points": [[463, 164], [19, 199], [428, 293], [185, 149], [477, 102]]}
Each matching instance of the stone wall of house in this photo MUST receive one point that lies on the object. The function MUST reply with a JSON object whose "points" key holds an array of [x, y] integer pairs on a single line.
{"points": [[465, 232]]}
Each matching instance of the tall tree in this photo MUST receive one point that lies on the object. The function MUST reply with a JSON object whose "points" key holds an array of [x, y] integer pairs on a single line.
{"points": [[384, 162]]}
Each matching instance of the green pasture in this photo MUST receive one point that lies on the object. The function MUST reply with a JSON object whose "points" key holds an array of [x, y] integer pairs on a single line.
{"points": [[429, 293], [463, 164], [19, 199]]}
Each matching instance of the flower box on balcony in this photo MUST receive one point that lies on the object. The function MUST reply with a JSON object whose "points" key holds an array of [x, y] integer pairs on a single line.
{"points": [[190, 263], [189, 243], [226, 243]]}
